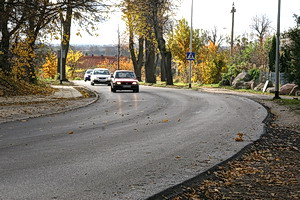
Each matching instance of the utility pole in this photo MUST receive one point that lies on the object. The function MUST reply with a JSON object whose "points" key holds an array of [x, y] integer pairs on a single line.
{"points": [[277, 61], [191, 45], [233, 10], [118, 48], [61, 55]]}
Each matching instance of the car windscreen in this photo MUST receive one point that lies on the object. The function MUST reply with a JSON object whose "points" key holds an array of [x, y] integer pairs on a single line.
{"points": [[102, 72], [125, 75]]}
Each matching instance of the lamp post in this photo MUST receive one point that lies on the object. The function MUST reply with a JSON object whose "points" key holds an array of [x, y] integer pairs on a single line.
{"points": [[61, 54], [118, 54], [191, 45], [233, 10], [277, 61]]}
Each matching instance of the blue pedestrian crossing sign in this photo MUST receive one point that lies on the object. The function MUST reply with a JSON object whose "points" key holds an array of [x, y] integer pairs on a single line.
{"points": [[190, 55]]}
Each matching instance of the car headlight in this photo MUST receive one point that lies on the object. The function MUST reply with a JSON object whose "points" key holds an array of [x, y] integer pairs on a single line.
{"points": [[118, 83], [134, 83]]}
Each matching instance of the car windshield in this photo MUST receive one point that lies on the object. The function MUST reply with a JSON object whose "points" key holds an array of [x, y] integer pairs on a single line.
{"points": [[125, 75], [88, 71], [102, 72]]}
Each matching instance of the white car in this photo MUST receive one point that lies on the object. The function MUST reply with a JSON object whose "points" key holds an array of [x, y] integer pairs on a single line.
{"points": [[100, 76]]}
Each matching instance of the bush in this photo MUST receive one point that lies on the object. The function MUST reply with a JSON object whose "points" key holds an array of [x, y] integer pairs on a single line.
{"points": [[231, 73], [254, 73]]}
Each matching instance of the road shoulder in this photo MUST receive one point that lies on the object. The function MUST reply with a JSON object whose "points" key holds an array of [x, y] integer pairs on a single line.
{"points": [[65, 98]]}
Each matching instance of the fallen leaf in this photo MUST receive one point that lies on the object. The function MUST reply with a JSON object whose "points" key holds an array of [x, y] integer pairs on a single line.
{"points": [[165, 121], [71, 132], [239, 137]]}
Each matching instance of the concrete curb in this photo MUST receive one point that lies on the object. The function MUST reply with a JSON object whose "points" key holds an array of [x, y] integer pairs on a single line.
{"points": [[69, 97]]}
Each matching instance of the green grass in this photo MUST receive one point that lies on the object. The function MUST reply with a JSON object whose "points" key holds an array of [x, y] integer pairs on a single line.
{"points": [[55, 82], [293, 104]]}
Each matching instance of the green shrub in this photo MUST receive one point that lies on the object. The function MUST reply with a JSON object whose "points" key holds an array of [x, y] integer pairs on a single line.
{"points": [[254, 73]]}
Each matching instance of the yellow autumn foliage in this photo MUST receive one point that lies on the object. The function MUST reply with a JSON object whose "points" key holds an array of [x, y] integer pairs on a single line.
{"points": [[49, 69], [213, 64], [24, 56], [72, 63]]}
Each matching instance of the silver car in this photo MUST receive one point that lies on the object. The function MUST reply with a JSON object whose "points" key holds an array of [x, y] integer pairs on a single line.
{"points": [[100, 76]]}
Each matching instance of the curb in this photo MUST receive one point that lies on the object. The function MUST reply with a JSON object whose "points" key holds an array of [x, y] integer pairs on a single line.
{"points": [[93, 100]]}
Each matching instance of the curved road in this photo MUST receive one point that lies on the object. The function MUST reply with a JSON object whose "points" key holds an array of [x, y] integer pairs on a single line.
{"points": [[124, 146]]}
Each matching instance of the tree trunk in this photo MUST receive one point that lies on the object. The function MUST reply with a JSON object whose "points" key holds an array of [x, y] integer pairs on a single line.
{"points": [[140, 60], [165, 55], [65, 43], [132, 52], [150, 62], [5, 65], [162, 70], [137, 63]]}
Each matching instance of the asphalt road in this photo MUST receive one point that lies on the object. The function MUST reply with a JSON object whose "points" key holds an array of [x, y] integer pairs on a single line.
{"points": [[124, 146]]}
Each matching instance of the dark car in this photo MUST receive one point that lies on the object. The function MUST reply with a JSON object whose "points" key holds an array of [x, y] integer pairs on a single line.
{"points": [[124, 80], [87, 75]]}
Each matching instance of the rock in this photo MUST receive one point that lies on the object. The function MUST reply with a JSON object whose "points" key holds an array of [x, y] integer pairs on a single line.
{"points": [[286, 89], [259, 87], [294, 90], [238, 85], [249, 85], [271, 90], [243, 76]]}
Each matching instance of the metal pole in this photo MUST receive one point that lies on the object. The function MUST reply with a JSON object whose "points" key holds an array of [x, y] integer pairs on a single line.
{"points": [[61, 54], [277, 61], [191, 45], [118, 47], [232, 28]]}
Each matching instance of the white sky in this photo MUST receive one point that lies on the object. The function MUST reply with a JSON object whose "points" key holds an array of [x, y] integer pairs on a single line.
{"points": [[207, 14]]}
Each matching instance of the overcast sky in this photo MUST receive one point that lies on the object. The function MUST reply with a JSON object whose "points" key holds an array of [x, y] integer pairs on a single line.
{"points": [[207, 15]]}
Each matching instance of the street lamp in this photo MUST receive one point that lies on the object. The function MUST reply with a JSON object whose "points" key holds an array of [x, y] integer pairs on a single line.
{"points": [[233, 10], [277, 61], [118, 53], [191, 45]]}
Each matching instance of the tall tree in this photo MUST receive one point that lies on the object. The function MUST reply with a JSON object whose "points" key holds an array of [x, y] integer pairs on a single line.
{"points": [[12, 18], [261, 25], [178, 44], [159, 15], [133, 19], [293, 52], [272, 55]]}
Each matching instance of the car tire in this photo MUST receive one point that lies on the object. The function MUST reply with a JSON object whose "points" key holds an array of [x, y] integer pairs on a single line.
{"points": [[136, 90], [92, 83]]}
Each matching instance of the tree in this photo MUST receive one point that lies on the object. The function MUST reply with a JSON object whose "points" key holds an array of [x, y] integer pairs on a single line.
{"points": [[293, 52], [131, 17], [212, 66], [72, 62], [159, 15], [49, 67], [179, 42], [272, 55], [261, 25], [215, 38]]}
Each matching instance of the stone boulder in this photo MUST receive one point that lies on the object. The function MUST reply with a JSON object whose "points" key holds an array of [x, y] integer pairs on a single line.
{"points": [[286, 89], [243, 76], [259, 87], [271, 90], [294, 90], [240, 80]]}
